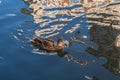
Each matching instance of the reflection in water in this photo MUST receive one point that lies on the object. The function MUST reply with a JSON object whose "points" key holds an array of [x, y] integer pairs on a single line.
{"points": [[65, 54], [91, 78], [56, 19], [53, 16], [66, 18], [60, 53], [81, 62], [105, 32]]}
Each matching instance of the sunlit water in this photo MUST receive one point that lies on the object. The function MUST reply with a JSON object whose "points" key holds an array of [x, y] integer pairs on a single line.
{"points": [[18, 60]]}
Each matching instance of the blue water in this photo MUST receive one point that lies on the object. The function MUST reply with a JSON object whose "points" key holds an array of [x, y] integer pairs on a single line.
{"points": [[17, 63]]}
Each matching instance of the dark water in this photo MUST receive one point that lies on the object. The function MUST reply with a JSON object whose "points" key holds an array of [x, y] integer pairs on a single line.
{"points": [[18, 62]]}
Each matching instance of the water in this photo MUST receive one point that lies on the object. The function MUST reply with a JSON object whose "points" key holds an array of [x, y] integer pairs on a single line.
{"points": [[19, 62]]}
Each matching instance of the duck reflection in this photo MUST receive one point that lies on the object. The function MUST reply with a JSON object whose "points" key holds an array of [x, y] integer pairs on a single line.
{"points": [[61, 53], [105, 32], [65, 54]]}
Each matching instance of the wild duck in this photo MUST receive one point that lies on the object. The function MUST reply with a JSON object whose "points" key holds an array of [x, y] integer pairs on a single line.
{"points": [[48, 44]]}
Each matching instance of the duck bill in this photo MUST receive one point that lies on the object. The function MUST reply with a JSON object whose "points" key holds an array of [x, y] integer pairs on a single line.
{"points": [[66, 44]]}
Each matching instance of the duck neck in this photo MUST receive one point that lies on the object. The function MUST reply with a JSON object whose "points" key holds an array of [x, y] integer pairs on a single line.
{"points": [[59, 44]]}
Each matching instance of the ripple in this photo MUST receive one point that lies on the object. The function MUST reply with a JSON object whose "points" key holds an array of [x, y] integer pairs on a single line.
{"points": [[41, 52], [11, 14], [1, 58]]}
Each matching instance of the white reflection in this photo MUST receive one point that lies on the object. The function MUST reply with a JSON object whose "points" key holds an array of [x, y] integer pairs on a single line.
{"points": [[37, 51], [11, 14]]}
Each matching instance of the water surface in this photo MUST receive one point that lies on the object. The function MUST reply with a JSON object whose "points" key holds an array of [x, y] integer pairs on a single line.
{"points": [[19, 62]]}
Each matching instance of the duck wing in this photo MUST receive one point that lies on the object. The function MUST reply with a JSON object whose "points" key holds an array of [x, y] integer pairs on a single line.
{"points": [[47, 44]]}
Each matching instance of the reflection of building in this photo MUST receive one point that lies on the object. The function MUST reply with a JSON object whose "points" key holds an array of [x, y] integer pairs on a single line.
{"points": [[105, 33], [113, 65], [54, 15], [51, 8]]}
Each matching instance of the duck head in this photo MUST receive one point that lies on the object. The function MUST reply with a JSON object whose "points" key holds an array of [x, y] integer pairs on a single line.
{"points": [[62, 43]]}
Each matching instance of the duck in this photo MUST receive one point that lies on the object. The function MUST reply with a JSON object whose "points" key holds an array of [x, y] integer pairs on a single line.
{"points": [[48, 44]]}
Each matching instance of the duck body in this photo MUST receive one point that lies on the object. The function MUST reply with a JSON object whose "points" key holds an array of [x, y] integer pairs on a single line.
{"points": [[48, 44]]}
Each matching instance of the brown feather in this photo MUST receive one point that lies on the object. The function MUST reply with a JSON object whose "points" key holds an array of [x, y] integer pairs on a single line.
{"points": [[47, 44]]}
